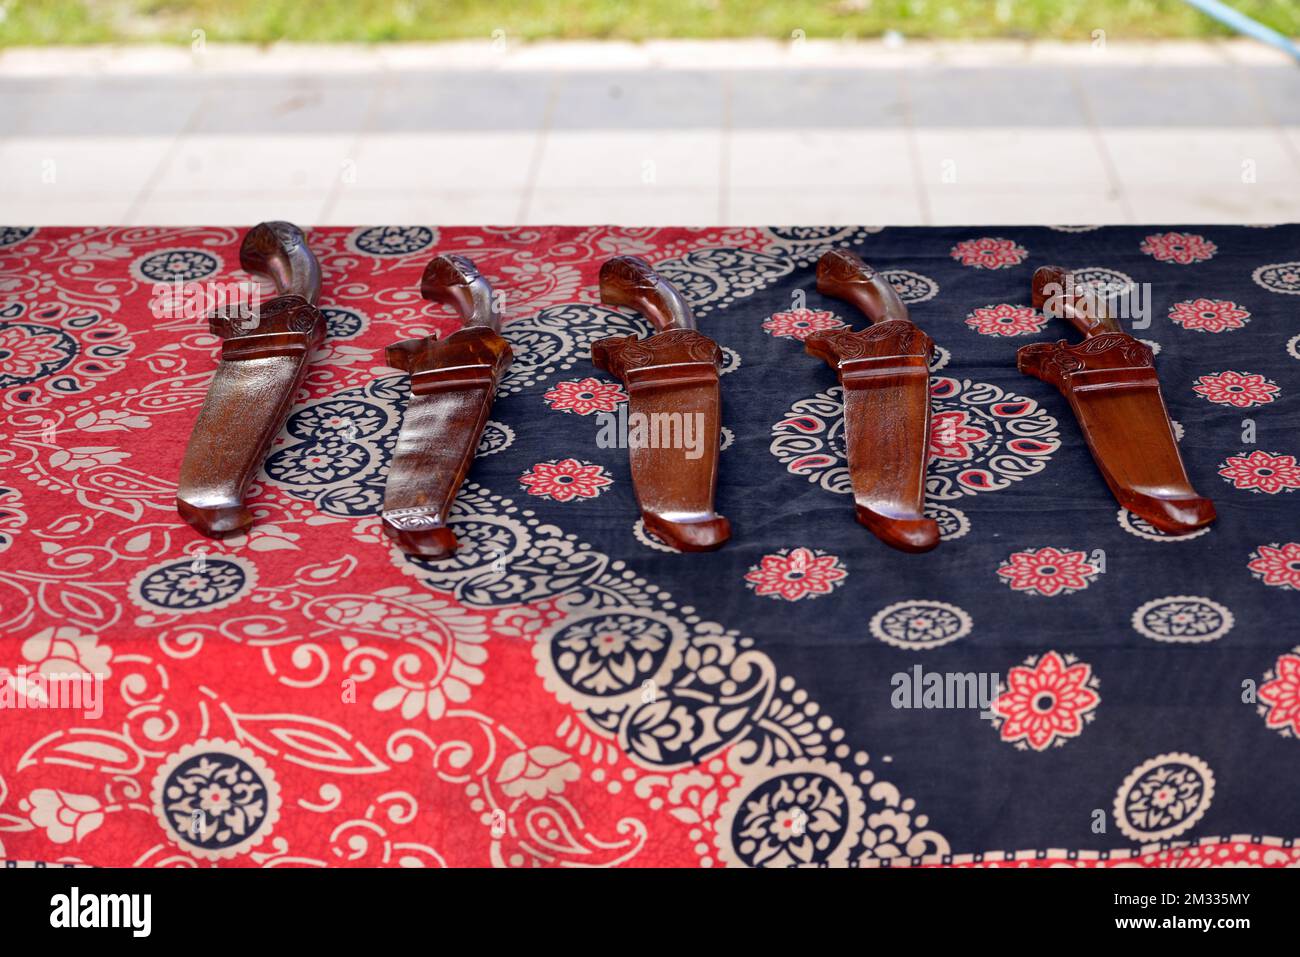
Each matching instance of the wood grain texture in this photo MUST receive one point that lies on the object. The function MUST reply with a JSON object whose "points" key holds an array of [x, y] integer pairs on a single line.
{"points": [[672, 382], [1110, 382], [264, 359], [885, 374], [453, 383]]}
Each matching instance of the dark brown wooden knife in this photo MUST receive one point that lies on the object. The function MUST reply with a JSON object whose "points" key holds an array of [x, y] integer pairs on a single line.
{"points": [[263, 362], [885, 373], [670, 376], [453, 383], [1110, 381]]}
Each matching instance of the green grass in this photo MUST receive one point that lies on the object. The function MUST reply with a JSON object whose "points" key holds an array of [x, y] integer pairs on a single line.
{"points": [[40, 22]]}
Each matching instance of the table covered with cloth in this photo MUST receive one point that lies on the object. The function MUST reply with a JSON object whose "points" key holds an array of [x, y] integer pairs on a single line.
{"points": [[568, 691]]}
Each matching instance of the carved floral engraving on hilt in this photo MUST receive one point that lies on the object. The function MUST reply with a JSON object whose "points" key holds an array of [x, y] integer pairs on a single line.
{"points": [[896, 338], [1056, 362], [467, 356], [622, 355], [285, 324], [839, 265]]}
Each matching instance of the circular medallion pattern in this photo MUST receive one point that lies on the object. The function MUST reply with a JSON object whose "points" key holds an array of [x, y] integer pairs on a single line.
{"points": [[31, 352], [1182, 618], [603, 658], [803, 813], [216, 799], [202, 583], [391, 240], [1163, 797], [920, 625], [10, 235], [176, 265], [343, 323], [1283, 278]]}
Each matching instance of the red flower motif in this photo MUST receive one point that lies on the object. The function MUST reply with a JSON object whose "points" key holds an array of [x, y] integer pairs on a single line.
{"points": [[1181, 248], [1277, 565], [1209, 315], [1046, 702], [1268, 472], [565, 480], [796, 573], [952, 435], [585, 396], [1048, 571], [989, 253], [802, 323], [1006, 320], [1281, 695], [1240, 389]]}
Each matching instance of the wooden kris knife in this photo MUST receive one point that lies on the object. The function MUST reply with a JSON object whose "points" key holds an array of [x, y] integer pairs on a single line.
{"points": [[885, 372], [672, 383], [263, 363], [1110, 381], [452, 386]]}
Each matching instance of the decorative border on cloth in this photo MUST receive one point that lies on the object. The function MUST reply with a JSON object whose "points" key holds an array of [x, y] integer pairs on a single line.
{"points": [[1249, 850]]}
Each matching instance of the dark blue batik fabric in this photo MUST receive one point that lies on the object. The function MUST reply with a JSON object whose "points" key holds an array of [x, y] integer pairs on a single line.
{"points": [[1142, 690]]}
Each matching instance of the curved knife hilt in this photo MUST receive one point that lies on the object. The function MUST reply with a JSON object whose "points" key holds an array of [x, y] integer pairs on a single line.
{"points": [[630, 282], [455, 280], [279, 250], [885, 373], [844, 275], [1054, 291], [672, 379], [263, 363], [452, 386], [1110, 382]]}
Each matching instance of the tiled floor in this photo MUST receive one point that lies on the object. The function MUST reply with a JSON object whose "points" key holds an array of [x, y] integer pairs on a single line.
{"points": [[690, 133]]}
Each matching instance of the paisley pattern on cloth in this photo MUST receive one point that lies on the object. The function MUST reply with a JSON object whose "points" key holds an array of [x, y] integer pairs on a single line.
{"points": [[566, 689]]}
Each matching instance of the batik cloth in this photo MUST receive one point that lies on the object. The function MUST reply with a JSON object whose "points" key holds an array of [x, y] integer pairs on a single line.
{"points": [[566, 690]]}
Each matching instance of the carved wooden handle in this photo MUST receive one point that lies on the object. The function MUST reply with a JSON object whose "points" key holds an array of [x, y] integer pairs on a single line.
{"points": [[631, 282], [279, 250], [452, 386], [843, 275], [1056, 293], [455, 280], [263, 363], [1110, 382]]}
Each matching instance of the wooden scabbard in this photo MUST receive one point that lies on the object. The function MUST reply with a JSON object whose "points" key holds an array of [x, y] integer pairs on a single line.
{"points": [[672, 379], [885, 373], [1110, 382], [264, 359], [453, 383]]}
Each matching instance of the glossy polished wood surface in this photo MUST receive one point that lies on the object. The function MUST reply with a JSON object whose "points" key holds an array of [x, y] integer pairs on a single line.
{"points": [[452, 386], [263, 361], [885, 373], [1110, 381], [672, 380]]}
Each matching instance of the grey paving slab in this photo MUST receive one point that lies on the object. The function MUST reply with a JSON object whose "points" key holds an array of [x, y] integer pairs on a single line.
{"points": [[692, 133]]}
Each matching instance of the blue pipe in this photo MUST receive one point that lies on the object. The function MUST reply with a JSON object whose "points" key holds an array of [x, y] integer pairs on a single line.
{"points": [[1243, 24]]}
